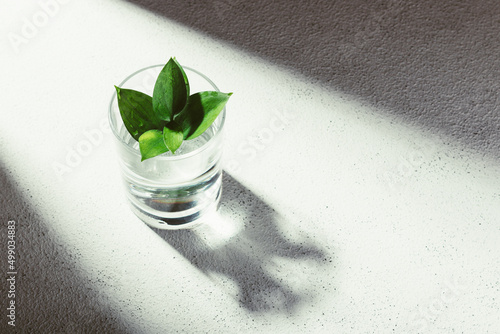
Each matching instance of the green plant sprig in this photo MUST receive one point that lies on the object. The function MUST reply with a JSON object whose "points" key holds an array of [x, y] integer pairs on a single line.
{"points": [[162, 122]]}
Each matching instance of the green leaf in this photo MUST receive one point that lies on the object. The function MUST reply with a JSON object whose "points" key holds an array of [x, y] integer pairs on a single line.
{"points": [[137, 113], [200, 112], [151, 144], [171, 90], [173, 136]]}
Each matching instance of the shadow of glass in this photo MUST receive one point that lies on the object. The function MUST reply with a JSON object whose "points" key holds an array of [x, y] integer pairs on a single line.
{"points": [[51, 293], [245, 253], [428, 62]]}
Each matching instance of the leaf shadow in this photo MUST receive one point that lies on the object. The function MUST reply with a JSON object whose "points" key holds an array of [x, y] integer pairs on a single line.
{"points": [[247, 257]]}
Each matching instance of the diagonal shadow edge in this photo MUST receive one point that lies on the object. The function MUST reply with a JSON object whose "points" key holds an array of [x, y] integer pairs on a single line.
{"points": [[426, 63], [52, 295]]}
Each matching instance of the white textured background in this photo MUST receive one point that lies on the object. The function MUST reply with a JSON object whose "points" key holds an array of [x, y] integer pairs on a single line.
{"points": [[362, 186]]}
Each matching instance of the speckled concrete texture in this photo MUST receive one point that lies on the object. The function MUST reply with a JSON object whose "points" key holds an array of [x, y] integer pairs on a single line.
{"points": [[361, 189], [51, 294], [431, 63]]}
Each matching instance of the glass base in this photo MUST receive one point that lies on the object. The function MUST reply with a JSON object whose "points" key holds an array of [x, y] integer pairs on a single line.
{"points": [[183, 216]]}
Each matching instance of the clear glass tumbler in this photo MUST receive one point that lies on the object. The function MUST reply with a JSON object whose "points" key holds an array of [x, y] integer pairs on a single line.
{"points": [[170, 191]]}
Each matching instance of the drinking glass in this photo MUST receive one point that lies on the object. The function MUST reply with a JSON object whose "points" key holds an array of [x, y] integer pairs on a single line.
{"points": [[170, 191]]}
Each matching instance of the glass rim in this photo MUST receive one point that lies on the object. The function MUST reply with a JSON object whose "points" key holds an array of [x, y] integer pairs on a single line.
{"points": [[222, 115]]}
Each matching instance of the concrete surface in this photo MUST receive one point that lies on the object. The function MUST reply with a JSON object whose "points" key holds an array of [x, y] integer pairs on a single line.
{"points": [[362, 184]]}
